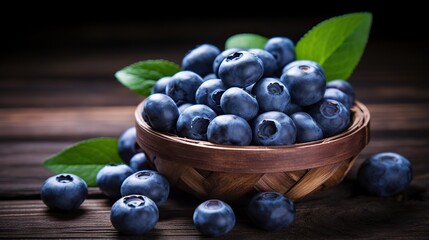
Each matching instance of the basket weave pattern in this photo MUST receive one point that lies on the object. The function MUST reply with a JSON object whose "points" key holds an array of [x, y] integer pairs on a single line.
{"points": [[235, 173]]}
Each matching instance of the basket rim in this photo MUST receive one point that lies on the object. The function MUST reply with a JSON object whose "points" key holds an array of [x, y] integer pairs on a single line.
{"points": [[253, 159]]}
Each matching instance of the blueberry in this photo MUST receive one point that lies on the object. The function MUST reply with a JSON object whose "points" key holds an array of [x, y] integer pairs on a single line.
{"points": [[139, 162], [240, 69], [160, 85], [340, 96], [160, 112], [239, 102], [385, 174], [306, 84], [268, 61], [209, 93], [273, 129], [109, 179], [182, 86], [332, 116], [282, 49], [183, 106], [209, 76], [219, 58], [148, 183], [127, 144], [271, 211], [292, 108], [303, 62], [344, 86], [134, 215], [194, 120], [229, 129], [200, 59], [214, 218], [272, 95], [64, 191], [307, 129]]}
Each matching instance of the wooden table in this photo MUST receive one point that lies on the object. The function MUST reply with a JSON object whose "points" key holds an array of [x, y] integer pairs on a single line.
{"points": [[52, 99]]}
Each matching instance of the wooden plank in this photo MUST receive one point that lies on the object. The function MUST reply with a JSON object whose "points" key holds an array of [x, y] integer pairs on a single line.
{"points": [[333, 215], [84, 122]]}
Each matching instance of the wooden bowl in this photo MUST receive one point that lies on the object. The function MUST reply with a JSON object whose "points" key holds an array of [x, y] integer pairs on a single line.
{"points": [[235, 173]]}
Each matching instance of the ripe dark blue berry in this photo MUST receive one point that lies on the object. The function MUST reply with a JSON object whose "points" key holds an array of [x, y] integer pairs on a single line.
{"points": [[282, 49], [273, 128], [340, 96], [239, 102], [160, 85], [214, 218], [229, 129], [210, 93], [64, 191], [241, 69], [160, 112], [109, 179], [200, 59], [306, 84], [182, 87], [148, 183], [139, 162], [385, 174], [332, 116], [134, 215], [303, 62], [268, 61], [218, 60], [271, 211], [194, 120], [272, 95], [344, 86], [184, 106], [306, 128], [127, 144]]}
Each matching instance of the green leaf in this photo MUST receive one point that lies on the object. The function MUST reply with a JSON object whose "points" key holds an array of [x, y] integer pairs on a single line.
{"points": [[85, 158], [141, 76], [246, 41], [337, 44]]}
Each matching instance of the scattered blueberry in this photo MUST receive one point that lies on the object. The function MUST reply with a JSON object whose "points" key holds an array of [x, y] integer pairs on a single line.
{"points": [[340, 96], [127, 144], [306, 84], [64, 191], [271, 211], [282, 49], [182, 87], [209, 93], [194, 120], [134, 215], [344, 86], [268, 61], [240, 69], [385, 174], [148, 183], [200, 59], [219, 58], [160, 112], [160, 85], [214, 218], [272, 95], [139, 162], [332, 116], [229, 129], [292, 108], [273, 129], [109, 179], [307, 129], [239, 102]]}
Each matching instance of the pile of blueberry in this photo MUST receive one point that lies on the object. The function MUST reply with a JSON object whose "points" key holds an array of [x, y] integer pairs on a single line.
{"points": [[249, 97], [238, 97]]}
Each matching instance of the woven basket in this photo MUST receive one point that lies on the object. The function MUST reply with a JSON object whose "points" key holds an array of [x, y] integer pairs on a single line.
{"points": [[235, 173]]}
